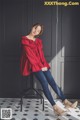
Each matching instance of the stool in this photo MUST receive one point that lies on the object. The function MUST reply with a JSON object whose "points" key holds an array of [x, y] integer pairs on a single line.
{"points": [[25, 93]]}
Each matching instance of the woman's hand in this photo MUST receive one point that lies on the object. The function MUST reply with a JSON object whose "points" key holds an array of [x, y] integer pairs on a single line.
{"points": [[44, 69]]}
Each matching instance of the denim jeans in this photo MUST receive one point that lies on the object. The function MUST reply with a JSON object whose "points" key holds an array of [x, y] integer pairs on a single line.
{"points": [[45, 77]]}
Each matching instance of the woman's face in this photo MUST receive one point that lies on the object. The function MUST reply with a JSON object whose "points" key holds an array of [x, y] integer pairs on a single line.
{"points": [[36, 30]]}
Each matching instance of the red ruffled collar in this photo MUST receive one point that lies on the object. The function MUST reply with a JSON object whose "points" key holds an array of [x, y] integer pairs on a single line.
{"points": [[30, 42]]}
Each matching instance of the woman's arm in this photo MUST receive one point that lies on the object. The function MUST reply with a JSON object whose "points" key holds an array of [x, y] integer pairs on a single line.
{"points": [[33, 59], [42, 53], [30, 54]]}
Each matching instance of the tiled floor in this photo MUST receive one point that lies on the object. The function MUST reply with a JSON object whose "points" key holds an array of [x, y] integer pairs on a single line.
{"points": [[32, 110]]}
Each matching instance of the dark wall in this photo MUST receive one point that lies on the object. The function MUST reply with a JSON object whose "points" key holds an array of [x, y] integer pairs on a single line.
{"points": [[16, 18], [10, 33], [71, 41]]}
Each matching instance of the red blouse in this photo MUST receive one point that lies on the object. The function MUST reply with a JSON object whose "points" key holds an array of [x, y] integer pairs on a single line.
{"points": [[32, 56]]}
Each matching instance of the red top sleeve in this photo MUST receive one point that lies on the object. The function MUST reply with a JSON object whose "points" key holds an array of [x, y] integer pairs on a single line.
{"points": [[42, 54], [29, 53]]}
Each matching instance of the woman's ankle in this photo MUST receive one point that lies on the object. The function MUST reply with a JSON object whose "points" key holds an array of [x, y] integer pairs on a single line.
{"points": [[54, 106], [65, 101]]}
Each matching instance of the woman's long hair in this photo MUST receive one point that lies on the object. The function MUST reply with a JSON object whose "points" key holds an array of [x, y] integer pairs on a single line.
{"points": [[37, 24]]}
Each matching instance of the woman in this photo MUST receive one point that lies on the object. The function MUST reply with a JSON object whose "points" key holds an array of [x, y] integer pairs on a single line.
{"points": [[33, 60]]}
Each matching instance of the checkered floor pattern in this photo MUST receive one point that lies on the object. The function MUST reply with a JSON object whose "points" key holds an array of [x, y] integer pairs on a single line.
{"points": [[32, 110]]}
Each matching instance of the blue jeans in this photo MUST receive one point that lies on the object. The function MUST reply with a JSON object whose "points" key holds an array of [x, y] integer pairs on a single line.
{"points": [[45, 77]]}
